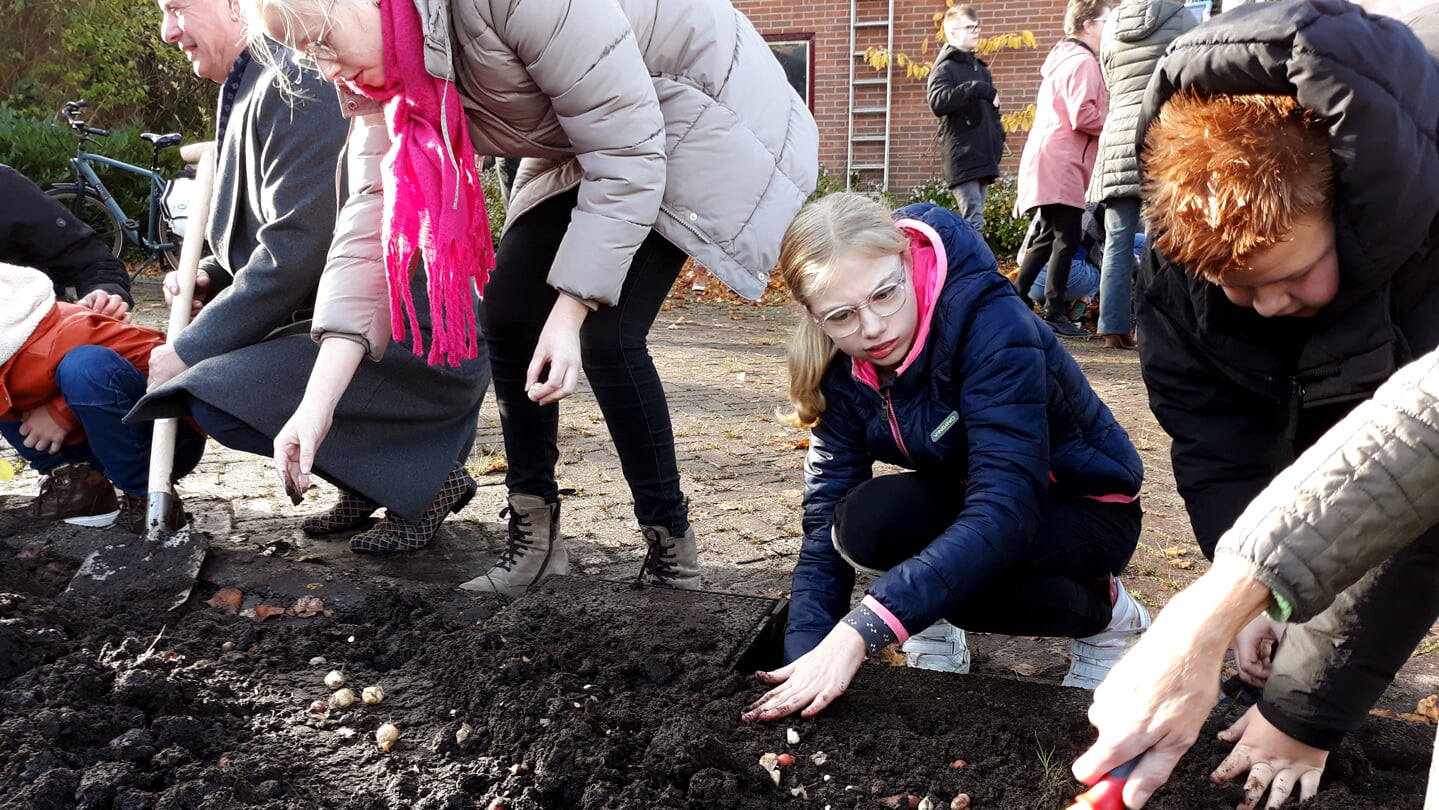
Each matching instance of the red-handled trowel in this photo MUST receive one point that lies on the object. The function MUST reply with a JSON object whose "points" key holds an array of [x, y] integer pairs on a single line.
{"points": [[1108, 793]]}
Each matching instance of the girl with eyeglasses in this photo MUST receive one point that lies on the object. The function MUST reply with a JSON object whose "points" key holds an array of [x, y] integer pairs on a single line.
{"points": [[1020, 499]]}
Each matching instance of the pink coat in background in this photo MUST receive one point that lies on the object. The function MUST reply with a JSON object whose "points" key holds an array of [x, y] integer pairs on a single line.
{"points": [[1069, 115]]}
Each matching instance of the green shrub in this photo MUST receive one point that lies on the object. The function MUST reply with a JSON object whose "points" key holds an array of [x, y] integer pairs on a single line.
{"points": [[40, 150], [826, 185], [933, 191], [494, 203], [1002, 230]]}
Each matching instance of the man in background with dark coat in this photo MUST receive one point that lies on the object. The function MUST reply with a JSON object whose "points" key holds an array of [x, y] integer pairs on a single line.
{"points": [[962, 94]]}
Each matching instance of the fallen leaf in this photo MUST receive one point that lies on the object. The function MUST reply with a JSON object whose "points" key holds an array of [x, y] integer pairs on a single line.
{"points": [[797, 444], [1175, 551], [1026, 670], [227, 599], [892, 656], [1429, 707], [1382, 713], [307, 606], [263, 612], [1183, 565], [494, 464], [1415, 718], [314, 586]]}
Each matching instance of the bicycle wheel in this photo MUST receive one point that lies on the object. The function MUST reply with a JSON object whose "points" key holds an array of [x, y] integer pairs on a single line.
{"points": [[172, 256], [93, 213]]}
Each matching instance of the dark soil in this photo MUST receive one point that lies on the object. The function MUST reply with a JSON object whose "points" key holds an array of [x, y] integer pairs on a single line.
{"points": [[582, 695]]}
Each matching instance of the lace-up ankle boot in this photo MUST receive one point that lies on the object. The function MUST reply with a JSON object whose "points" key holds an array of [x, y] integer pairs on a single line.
{"points": [[671, 561], [533, 550]]}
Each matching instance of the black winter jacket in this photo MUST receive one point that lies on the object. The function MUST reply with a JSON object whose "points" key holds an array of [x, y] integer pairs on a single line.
{"points": [[38, 232], [961, 93], [987, 392], [1242, 395]]}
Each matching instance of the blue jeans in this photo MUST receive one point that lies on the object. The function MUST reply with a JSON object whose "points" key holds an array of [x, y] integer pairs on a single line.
{"points": [[1116, 280], [1083, 280], [969, 201], [101, 387]]}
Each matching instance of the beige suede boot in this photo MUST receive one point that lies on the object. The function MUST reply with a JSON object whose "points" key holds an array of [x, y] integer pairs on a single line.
{"points": [[535, 548], [671, 561]]}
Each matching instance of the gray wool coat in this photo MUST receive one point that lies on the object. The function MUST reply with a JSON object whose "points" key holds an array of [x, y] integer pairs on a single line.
{"points": [[401, 425], [1138, 34]]}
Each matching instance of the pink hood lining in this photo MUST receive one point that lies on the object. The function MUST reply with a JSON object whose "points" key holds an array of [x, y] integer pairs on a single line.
{"points": [[929, 266]]}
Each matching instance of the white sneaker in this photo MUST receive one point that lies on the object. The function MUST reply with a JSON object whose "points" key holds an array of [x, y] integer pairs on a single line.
{"points": [[1092, 658], [940, 647]]}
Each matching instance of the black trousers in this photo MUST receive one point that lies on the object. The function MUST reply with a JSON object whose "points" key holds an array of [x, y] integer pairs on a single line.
{"points": [[616, 359], [1055, 242], [1060, 587]]}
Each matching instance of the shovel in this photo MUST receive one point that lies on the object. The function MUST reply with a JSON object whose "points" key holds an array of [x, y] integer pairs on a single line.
{"points": [[162, 563]]}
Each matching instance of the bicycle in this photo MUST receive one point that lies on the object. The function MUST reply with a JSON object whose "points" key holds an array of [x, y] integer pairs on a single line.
{"points": [[88, 198]]}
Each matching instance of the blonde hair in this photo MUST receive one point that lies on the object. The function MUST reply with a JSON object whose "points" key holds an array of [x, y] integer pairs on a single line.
{"points": [[837, 225], [1228, 176], [289, 17]]}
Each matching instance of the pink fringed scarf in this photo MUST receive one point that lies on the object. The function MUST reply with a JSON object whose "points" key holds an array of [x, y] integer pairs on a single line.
{"points": [[434, 202]]}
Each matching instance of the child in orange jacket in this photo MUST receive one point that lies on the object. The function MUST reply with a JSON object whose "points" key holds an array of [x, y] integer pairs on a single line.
{"points": [[68, 376]]}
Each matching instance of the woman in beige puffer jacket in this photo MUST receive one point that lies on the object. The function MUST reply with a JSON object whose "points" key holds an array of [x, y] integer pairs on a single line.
{"points": [[649, 130]]}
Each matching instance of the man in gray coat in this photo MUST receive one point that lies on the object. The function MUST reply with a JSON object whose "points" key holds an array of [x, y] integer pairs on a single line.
{"points": [[239, 368], [1137, 34]]}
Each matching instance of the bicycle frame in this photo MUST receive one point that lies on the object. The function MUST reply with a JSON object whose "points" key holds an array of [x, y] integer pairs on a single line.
{"points": [[87, 179]]}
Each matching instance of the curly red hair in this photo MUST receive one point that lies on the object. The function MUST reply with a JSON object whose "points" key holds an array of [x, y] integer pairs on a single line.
{"points": [[1227, 176]]}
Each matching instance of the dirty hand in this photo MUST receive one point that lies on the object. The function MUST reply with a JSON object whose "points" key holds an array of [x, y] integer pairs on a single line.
{"points": [[41, 431], [1275, 762], [558, 348], [296, 445], [165, 365], [106, 304], [813, 680], [1254, 649], [202, 290]]}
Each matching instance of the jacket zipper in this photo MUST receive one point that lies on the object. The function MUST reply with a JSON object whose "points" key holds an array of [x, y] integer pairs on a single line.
{"points": [[893, 419]]}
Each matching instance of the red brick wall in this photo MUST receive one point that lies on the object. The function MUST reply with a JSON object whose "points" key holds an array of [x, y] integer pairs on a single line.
{"points": [[913, 157]]}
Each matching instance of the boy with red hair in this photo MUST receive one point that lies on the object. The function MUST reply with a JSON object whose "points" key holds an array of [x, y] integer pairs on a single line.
{"points": [[1292, 178]]}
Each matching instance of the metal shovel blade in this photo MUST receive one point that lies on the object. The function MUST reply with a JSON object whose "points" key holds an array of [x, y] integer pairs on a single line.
{"points": [[158, 567]]}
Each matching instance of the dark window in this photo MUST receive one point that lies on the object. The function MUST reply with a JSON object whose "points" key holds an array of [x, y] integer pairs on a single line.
{"points": [[795, 53]]}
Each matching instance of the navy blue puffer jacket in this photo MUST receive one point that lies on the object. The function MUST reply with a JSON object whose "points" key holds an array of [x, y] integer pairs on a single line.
{"points": [[988, 394]]}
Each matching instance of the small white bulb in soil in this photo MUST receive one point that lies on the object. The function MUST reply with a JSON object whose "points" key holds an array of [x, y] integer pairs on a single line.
{"points": [[463, 733], [386, 736], [770, 762], [373, 695], [335, 679], [343, 698], [960, 802], [319, 707], [227, 646], [791, 736], [318, 661]]}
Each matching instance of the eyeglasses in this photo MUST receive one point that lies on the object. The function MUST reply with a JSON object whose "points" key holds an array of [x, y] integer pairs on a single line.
{"points": [[970, 28], [883, 302], [1100, 20], [319, 49]]}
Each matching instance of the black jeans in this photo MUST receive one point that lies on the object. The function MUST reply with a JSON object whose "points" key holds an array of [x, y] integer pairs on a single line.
{"points": [[1059, 588], [616, 359], [1055, 242]]}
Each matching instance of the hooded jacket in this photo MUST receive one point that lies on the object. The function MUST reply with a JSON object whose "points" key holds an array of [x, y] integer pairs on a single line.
{"points": [[36, 333], [986, 391], [961, 93], [37, 231], [669, 116], [1068, 117], [1135, 39], [1242, 395]]}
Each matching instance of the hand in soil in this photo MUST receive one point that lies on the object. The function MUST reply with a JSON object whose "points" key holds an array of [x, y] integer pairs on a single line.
{"points": [[1274, 760], [813, 680], [1152, 705], [1254, 649]]}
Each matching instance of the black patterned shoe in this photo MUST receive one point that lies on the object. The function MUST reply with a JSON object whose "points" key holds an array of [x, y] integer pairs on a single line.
{"points": [[393, 534], [350, 512]]}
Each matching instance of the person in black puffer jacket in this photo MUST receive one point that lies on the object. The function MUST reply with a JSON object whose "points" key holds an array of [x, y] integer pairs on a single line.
{"points": [[1022, 498], [1292, 178], [963, 96]]}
